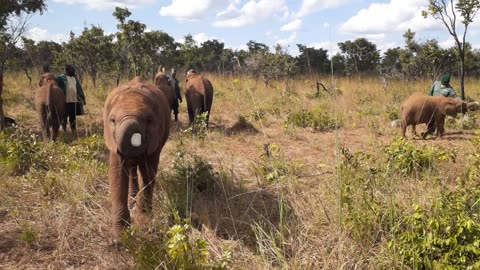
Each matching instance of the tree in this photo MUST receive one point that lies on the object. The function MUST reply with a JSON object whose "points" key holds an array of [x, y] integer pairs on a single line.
{"points": [[130, 38], [361, 55], [312, 60], [91, 52], [189, 52], [8, 39], [446, 12], [211, 53]]}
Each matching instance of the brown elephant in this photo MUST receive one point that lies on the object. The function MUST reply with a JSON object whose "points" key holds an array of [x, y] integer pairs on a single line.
{"points": [[199, 95], [50, 105], [165, 83], [136, 127], [418, 109]]}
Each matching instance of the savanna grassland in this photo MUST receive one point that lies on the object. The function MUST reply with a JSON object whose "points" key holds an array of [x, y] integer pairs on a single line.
{"points": [[285, 178]]}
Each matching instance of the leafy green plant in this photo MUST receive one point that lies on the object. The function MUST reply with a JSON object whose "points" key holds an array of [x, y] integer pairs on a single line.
{"points": [[200, 127], [20, 151], [392, 112], [406, 158], [446, 235]]}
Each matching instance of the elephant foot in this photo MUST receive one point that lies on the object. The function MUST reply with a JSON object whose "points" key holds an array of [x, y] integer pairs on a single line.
{"points": [[132, 203]]}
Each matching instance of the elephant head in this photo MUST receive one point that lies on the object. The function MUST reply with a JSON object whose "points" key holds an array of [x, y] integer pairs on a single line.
{"points": [[47, 78], [130, 124]]}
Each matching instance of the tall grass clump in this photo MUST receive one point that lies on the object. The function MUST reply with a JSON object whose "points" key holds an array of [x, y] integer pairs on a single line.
{"points": [[366, 198], [317, 119]]}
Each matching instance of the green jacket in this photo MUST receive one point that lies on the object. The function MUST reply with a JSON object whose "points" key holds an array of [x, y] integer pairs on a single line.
{"points": [[438, 89], [62, 83]]}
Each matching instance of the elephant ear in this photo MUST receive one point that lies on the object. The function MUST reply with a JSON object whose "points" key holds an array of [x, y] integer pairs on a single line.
{"points": [[109, 104]]}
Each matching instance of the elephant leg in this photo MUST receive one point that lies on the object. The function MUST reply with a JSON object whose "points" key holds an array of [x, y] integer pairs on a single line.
{"points": [[118, 178], [133, 186], [191, 115], [440, 122], [414, 130], [148, 171], [430, 128]]}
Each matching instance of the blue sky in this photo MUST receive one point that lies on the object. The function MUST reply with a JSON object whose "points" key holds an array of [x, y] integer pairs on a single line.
{"points": [[318, 23]]}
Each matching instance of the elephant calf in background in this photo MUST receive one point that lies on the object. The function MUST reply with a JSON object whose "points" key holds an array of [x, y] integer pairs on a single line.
{"points": [[50, 105], [136, 119], [199, 95], [418, 109], [167, 86]]}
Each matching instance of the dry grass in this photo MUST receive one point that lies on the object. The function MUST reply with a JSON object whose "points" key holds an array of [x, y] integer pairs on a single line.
{"points": [[282, 212]]}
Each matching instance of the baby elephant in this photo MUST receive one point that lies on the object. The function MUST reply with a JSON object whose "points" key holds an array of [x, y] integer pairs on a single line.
{"points": [[418, 109], [50, 105], [199, 95], [136, 119]]}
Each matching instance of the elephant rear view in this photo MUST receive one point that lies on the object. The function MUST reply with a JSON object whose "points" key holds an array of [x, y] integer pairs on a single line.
{"points": [[50, 105], [136, 127], [199, 95]]}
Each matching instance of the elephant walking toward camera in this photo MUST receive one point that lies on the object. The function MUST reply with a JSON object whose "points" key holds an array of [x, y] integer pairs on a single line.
{"points": [[136, 126], [50, 105], [418, 109], [199, 95]]}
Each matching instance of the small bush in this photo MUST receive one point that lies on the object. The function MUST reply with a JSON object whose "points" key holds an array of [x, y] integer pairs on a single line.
{"points": [[318, 119], [174, 248], [407, 158], [20, 151]]}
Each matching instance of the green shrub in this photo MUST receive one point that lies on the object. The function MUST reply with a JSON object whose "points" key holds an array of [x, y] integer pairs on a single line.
{"points": [[172, 249], [317, 119], [21, 151], [406, 158], [446, 235]]}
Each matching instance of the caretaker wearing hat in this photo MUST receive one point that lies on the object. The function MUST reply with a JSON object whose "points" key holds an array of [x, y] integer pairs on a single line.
{"points": [[441, 88]]}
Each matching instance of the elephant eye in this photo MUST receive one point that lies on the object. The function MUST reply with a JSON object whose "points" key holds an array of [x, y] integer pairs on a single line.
{"points": [[112, 119]]}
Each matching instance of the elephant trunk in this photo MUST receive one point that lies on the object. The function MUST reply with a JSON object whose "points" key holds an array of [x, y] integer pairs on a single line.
{"points": [[130, 138]]}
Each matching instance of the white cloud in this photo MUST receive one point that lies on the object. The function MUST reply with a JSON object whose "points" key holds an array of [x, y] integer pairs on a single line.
{"points": [[106, 4], [202, 37], [288, 41], [447, 44], [198, 9], [311, 6], [292, 26], [252, 12], [332, 47], [395, 16], [40, 34]]}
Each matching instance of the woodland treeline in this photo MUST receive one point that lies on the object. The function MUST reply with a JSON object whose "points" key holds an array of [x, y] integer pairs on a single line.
{"points": [[133, 50]]}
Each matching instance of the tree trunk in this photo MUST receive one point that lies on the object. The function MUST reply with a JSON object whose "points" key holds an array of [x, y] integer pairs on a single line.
{"points": [[2, 118], [462, 75]]}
